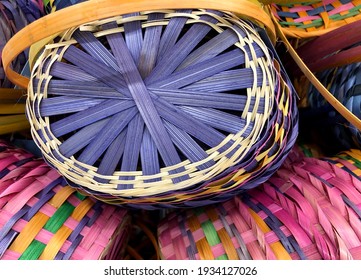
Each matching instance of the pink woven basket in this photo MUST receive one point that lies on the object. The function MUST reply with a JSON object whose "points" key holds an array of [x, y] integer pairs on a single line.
{"points": [[43, 218], [310, 209]]}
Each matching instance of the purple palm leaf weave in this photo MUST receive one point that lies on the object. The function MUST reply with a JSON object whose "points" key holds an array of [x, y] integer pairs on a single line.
{"points": [[163, 109], [12, 19]]}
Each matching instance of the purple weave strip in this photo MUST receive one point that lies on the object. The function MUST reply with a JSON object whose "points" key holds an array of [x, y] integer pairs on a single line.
{"points": [[112, 156], [80, 139], [171, 34], [7, 228], [143, 100], [6, 242], [181, 49], [133, 37], [149, 156], [28, 212], [72, 248], [86, 117], [231, 229], [96, 49], [133, 142], [106, 135], [149, 51]]}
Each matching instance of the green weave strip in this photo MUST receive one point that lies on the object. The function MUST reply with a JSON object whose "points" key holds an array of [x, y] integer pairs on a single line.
{"points": [[356, 163], [211, 234], [36, 248]]}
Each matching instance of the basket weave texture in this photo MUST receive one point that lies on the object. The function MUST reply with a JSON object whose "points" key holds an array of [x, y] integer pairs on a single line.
{"points": [[163, 109], [314, 18], [43, 218], [309, 209], [12, 19]]}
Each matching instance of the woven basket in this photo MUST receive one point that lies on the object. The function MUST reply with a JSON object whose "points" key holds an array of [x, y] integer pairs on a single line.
{"points": [[321, 119], [43, 218], [309, 19], [309, 209], [12, 19], [333, 58], [201, 111]]}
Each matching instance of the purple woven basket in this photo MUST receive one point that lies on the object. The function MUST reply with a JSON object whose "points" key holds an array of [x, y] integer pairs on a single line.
{"points": [[163, 109]]}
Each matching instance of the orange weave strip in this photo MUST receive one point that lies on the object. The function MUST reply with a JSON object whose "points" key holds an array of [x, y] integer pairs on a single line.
{"points": [[58, 239], [277, 247], [204, 250], [28, 234], [223, 236]]}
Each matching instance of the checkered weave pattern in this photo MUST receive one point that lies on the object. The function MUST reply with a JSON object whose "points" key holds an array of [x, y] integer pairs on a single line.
{"points": [[41, 217], [310, 19], [309, 209]]}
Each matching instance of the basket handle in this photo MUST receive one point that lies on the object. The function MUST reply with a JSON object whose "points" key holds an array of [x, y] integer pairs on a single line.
{"points": [[347, 114], [99, 9]]}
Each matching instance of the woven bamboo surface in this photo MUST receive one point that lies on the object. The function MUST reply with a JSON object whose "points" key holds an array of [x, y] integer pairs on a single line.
{"points": [[310, 19], [309, 209], [41, 217], [179, 123]]}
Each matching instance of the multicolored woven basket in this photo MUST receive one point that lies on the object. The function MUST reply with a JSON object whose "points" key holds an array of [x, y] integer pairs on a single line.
{"points": [[170, 108], [309, 209], [314, 18], [41, 217]]}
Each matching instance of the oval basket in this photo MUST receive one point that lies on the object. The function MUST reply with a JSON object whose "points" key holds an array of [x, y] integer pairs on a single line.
{"points": [[41, 217], [309, 209], [314, 18], [169, 108]]}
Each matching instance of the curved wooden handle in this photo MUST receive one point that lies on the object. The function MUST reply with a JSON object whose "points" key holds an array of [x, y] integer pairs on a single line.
{"points": [[99, 9]]}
